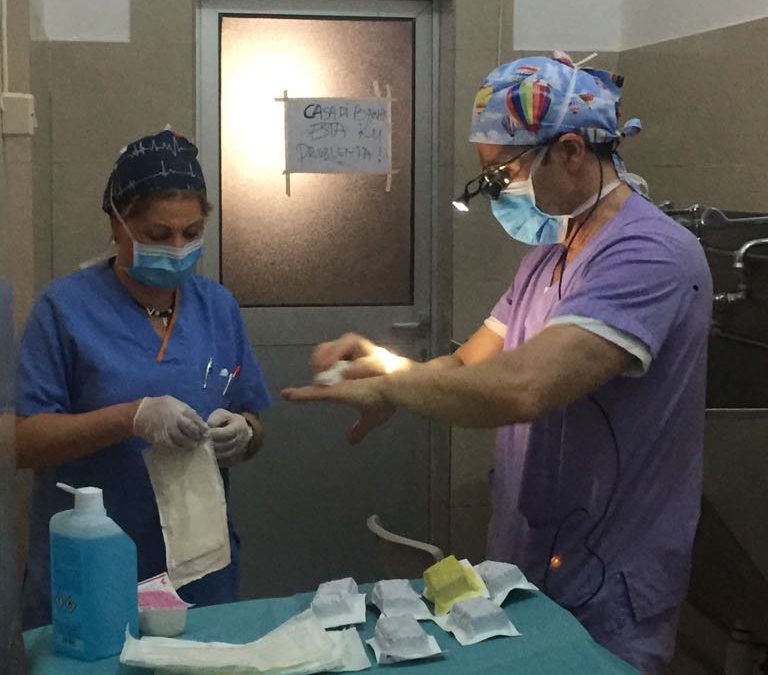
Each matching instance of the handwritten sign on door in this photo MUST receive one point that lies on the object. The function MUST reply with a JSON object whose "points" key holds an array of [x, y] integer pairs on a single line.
{"points": [[338, 135]]}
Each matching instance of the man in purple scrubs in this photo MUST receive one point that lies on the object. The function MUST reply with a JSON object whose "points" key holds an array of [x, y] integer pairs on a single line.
{"points": [[592, 364]]}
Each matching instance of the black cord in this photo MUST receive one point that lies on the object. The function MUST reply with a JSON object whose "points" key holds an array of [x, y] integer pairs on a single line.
{"points": [[603, 571], [600, 520], [564, 255], [603, 567]]}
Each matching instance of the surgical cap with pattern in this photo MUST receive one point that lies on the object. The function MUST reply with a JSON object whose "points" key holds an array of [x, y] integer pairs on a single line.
{"points": [[163, 161], [534, 99]]}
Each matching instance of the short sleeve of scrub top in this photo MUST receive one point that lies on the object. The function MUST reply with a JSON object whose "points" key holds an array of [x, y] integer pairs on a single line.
{"points": [[45, 364], [634, 286]]}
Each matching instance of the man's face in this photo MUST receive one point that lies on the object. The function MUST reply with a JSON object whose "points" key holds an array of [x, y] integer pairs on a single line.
{"points": [[552, 184]]}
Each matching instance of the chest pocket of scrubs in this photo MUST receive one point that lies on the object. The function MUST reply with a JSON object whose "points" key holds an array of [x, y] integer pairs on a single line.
{"points": [[204, 396], [218, 394]]}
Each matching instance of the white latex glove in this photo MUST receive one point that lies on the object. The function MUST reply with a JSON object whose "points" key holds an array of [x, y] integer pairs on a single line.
{"points": [[167, 422], [231, 436]]}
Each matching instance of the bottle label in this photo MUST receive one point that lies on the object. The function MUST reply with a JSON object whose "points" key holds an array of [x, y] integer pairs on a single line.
{"points": [[66, 592]]}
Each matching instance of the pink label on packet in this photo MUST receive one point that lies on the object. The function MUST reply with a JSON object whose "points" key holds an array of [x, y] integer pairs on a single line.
{"points": [[160, 600], [158, 593]]}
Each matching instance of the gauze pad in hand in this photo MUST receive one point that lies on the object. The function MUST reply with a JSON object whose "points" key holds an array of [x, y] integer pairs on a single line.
{"points": [[396, 597], [193, 510], [333, 375]]}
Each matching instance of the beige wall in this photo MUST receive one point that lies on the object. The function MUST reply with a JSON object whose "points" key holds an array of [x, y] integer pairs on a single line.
{"points": [[94, 98], [703, 101], [17, 224]]}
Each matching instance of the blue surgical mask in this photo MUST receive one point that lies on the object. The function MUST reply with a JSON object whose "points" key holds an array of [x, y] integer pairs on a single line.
{"points": [[518, 214], [158, 265], [516, 211], [164, 266]]}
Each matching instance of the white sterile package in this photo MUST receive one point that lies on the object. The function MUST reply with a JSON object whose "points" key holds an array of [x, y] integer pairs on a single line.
{"points": [[477, 619], [396, 597], [300, 646], [353, 655], [338, 603], [401, 638], [502, 578], [193, 510], [333, 375]]}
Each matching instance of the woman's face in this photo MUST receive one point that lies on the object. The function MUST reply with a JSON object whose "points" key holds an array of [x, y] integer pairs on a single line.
{"points": [[175, 221]]}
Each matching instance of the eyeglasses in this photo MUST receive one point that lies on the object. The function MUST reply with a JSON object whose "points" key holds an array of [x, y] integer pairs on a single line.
{"points": [[490, 182]]}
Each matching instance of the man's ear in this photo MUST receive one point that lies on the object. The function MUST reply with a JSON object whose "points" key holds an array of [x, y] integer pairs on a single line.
{"points": [[573, 151]]}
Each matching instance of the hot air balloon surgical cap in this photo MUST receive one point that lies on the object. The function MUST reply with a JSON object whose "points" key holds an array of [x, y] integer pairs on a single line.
{"points": [[535, 99]]}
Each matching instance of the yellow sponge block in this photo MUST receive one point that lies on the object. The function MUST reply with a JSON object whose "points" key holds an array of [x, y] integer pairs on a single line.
{"points": [[449, 581]]}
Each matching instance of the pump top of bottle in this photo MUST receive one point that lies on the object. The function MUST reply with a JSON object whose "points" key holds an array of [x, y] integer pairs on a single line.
{"points": [[88, 500]]}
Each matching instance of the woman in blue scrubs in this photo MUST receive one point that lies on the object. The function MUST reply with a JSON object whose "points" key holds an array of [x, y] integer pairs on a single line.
{"points": [[133, 351]]}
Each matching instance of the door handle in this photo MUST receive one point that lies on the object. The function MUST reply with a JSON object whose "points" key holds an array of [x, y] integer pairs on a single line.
{"points": [[419, 327]]}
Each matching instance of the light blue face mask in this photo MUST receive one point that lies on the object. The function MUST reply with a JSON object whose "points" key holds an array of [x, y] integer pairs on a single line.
{"points": [[516, 211], [158, 265], [518, 214], [164, 266]]}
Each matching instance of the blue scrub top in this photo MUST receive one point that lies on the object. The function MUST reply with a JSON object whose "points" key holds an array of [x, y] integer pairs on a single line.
{"points": [[88, 345]]}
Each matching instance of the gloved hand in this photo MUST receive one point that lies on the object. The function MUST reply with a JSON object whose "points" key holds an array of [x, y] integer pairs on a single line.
{"points": [[167, 422], [231, 436]]}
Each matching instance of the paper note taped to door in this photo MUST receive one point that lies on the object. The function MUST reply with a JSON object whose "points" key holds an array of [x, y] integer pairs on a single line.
{"points": [[338, 135]]}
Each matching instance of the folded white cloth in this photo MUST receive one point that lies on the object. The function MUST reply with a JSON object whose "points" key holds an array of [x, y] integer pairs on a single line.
{"points": [[193, 510], [300, 646]]}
